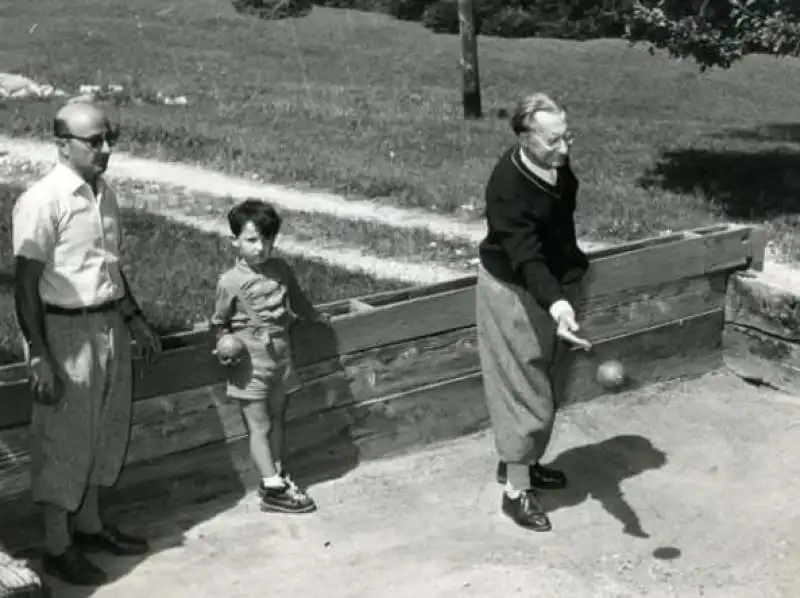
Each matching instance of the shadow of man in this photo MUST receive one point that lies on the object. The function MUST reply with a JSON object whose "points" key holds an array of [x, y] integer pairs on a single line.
{"points": [[596, 471], [319, 414]]}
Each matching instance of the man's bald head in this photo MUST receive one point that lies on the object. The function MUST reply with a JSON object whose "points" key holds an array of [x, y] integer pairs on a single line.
{"points": [[81, 119], [85, 138]]}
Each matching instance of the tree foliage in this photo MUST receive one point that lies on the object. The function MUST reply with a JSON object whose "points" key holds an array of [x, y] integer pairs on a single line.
{"points": [[716, 33], [273, 10]]}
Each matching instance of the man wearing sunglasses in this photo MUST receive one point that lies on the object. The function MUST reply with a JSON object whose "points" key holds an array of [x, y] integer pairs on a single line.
{"points": [[530, 264], [78, 319]]}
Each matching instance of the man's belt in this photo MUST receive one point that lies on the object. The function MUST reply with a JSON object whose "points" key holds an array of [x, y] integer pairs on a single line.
{"points": [[82, 311]]}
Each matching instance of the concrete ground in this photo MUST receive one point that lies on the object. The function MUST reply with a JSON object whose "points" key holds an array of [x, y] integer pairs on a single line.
{"points": [[684, 489]]}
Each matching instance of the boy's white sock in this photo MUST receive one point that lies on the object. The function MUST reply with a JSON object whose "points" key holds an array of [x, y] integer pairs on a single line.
{"points": [[275, 481], [511, 492]]}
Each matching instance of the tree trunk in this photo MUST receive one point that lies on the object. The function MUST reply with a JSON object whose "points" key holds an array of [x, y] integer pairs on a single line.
{"points": [[469, 60]]}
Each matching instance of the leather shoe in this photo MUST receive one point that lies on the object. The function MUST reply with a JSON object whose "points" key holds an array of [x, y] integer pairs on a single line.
{"points": [[541, 477], [526, 511], [110, 539], [73, 568]]}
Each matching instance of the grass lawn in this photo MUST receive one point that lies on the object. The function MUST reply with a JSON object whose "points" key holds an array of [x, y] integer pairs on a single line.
{"points": [[173, 270], [362, 104]]}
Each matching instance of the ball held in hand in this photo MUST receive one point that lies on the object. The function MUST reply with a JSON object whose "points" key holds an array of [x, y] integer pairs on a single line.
{"points": [[229, 348], [611, 374]]}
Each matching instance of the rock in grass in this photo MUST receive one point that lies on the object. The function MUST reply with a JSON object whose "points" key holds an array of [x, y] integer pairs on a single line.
{"points": [[17, 580]]}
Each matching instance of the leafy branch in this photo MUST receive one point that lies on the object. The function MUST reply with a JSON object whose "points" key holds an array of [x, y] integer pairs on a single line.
{"points": [[716, 33]]}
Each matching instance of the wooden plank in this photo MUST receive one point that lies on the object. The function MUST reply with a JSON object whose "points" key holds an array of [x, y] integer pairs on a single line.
{"points": [[389, 324], [627, 246], [359, 306], [605, 315], [759, 357], [601, 317], [14, 461], [379, 327], [15, 404], [758, 248], [418, 292], [636, 269], [182, 421], [764, 303], [630, 311], [177, 422], [670, 261], [680, 349]]}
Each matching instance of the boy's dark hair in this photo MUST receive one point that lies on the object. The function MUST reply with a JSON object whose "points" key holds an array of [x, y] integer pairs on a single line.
{"points": [[259, 212]]}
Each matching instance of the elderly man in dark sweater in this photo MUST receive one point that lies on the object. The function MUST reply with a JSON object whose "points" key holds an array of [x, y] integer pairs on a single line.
{"points": [[530, 264]]}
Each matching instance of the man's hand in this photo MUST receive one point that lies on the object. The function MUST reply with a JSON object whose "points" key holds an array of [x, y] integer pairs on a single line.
{"points": [[45, 382], [567, 326], [147, 342]]}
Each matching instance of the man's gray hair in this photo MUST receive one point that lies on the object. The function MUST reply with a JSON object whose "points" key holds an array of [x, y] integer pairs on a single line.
{"points": [[524, 117]]}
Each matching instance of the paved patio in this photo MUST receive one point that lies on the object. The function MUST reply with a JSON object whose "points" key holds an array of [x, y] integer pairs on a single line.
{"points": [[684, 489]]}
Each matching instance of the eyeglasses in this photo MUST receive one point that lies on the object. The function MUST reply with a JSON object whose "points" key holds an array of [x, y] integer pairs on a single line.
{"points": [[95, 141], [567, 138]]}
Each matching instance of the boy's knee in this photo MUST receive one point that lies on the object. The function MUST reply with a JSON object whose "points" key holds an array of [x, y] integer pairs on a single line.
{"points": [[257, 416]]}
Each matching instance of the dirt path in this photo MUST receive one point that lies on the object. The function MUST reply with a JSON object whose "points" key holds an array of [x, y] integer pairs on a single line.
{"points": [[352, 259], [299, 200], [16, 153], [680, 490], [346, 256]]}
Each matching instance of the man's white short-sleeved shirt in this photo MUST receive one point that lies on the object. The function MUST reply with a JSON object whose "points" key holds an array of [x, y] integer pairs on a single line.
{"points": [[59, 221]]}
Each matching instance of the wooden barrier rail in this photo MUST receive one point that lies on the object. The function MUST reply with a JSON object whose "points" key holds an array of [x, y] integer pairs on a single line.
{"points": [[398, 369]]}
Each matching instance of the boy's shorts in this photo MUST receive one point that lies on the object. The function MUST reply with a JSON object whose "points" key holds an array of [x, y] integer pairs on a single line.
{"points": [[265, 364]]}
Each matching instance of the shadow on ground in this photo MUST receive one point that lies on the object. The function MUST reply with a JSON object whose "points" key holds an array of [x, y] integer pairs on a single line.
{"points": [[319, 444], [161, 501], [745, 184], [596, 472], [771, 133]]}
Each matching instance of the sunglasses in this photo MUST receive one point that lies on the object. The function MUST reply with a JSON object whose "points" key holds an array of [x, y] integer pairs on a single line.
{"points": [[95, 141]]}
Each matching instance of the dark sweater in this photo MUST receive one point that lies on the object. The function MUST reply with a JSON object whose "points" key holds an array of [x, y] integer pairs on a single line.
{"points": [[531, 237]]}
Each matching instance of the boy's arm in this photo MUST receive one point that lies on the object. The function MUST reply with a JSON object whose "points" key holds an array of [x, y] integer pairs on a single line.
{"points": [[299, 301], [223, 308]]}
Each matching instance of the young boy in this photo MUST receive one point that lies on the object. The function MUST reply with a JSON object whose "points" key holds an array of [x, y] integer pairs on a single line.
{"points": [[256, 301]]}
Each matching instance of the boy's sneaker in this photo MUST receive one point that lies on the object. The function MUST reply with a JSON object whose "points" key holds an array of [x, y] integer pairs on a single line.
{"points": [[289, 499]]}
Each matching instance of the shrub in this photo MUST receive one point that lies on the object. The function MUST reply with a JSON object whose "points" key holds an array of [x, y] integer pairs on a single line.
{"points": [[511, 22], [565, 19], [409, 10], [363, 5], [273, 10], [442, 17]]}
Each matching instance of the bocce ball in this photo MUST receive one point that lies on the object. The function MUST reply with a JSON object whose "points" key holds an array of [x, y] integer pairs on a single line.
{"points": [[611, 374], [229, 348]]}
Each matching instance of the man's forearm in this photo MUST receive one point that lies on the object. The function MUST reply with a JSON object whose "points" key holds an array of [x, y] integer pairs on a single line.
{"points": [[30, 314], [131, 308]]}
